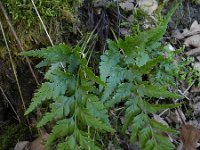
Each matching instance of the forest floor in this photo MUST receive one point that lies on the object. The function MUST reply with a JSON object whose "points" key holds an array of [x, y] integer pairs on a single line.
{"points": [[183, 31]]}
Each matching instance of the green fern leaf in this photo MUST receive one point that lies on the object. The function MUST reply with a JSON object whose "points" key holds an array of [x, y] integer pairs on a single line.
{"points": [[122, 92], [161, 127], [42, 94], [64, 127], [45, 119], [144, 135], [149, 66], [132, 45], [109, 60], [150, 144], [131, 111], [142, 59], [87, 143], [97, 108], [59, 109], [70, 144], [153, 108], [57, 53], [163, 143], [135, 128], [93, 77], [86, 117], [115, 77], [155, 91]]}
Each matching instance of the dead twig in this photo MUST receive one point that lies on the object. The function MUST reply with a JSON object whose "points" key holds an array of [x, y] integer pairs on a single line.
{"points": [[12, 107], [13, 66], [45, 28], [15, 73]]}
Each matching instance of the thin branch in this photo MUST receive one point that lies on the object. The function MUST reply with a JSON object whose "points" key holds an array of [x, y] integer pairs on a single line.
{"points": [[12, 107], [119, 19], [15, 73], [45, 28], [13, 66]]}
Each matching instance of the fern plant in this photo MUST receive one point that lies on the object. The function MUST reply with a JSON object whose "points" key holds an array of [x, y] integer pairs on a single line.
{"points": [[137, 70], [134, 72], [73, 101]]}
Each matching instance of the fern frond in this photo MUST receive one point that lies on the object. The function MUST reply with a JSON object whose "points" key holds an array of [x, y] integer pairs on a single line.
{"points": [[64, 127], [86, 117], [73, 104], [57, 53], [109, 60], [141, 61], [45, 119], [93, 77], [43, 93], [155, 91], [161, 127], [114, 78], [130, 71], [97, 108], [87, 143], [59, 109], [123, 91]]}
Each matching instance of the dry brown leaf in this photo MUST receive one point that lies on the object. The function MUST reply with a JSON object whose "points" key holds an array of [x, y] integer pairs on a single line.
{"points": [[193, 41], [159, 119], [111, 146], [172, 117], [130, 19], [196, 89], [149, 6], [194, 29], [198, 58], [193, 52], [196, 108], [189, 136], [124, 31], [180, 146], [194, 123], [22, 145], [197, 66], [177, 34], [185, 32], [38, 144], [180, 115]]}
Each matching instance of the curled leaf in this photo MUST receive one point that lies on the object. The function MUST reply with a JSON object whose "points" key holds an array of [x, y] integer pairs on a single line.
{"points": [[189, 136]]}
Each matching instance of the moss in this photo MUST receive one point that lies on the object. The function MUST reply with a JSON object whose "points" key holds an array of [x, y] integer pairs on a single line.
{"points": [[196, 1], [56, 14], [12, 134], [22, 10]]}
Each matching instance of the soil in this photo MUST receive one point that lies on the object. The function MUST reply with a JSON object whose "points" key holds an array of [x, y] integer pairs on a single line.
{"points": [[11, 93]]}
